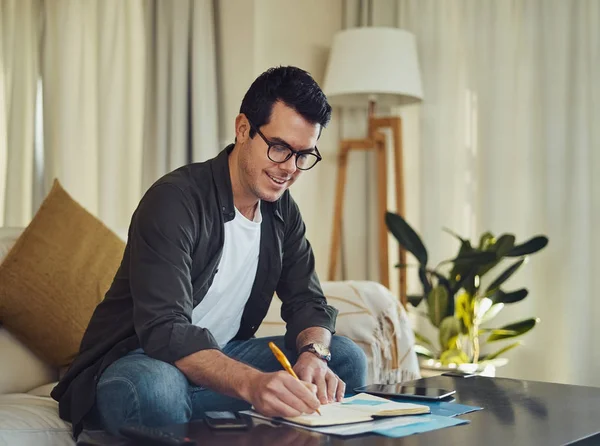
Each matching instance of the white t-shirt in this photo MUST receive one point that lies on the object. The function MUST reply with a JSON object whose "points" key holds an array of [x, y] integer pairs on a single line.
{"points": [[221, 309]]}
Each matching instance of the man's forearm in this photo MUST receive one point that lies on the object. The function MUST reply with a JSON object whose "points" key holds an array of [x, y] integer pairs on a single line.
{"points": [[313, 335], [218, 372]]}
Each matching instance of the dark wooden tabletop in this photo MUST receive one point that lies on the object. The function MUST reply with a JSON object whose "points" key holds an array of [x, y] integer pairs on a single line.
{"points": [[515, 413]]}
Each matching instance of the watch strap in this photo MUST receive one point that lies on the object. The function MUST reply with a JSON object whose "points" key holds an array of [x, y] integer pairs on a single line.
{"points": [[311, 348]]}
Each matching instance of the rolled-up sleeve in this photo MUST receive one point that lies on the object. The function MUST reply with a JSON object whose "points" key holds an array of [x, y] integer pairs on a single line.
{"points": [[161, 243], [303, 302]]}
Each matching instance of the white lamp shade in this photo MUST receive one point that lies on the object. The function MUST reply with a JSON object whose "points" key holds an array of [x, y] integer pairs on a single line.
{"points": [[378, 64]]}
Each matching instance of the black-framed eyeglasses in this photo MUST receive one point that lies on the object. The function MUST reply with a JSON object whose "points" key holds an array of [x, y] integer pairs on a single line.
{"points": [[279, 152]]}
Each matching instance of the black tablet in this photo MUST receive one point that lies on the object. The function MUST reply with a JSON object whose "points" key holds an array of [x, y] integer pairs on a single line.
{"points": [[404, 391]]}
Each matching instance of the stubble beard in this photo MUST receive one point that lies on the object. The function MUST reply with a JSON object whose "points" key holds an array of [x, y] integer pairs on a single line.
{"points": [[252, 179]]}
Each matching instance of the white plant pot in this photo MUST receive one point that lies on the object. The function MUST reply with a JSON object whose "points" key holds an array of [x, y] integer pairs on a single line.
{"points": [[432, 367]]}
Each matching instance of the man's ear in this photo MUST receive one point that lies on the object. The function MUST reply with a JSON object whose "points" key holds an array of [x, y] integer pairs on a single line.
{"points": [[242, 128]]}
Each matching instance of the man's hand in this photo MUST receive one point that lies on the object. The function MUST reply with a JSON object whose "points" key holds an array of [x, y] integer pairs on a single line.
{"points": [[311, 369], [279, 394]]}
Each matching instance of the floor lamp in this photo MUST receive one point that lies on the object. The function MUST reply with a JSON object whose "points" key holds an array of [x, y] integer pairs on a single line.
{"points": [[368, 68]]}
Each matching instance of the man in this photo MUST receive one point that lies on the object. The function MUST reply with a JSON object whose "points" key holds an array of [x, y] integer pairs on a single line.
{"points": [[208, 246]]}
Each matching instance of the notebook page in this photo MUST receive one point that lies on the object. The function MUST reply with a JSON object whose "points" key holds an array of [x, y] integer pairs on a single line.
{"points": [[374, 405], [331, 414]]}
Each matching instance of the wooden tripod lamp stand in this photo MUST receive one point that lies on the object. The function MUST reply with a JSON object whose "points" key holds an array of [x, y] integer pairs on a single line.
{"points": [[368, 67]]}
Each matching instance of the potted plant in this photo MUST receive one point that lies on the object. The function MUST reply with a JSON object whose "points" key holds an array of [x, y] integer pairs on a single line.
{"points": [[458, 305]]}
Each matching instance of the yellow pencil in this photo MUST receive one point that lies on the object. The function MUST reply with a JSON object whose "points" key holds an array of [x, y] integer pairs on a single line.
{"points": [[284, 362]]}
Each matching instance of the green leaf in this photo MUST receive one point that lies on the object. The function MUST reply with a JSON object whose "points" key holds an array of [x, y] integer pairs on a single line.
{"points": [[492, 313], [519, 328], [442, 281], [449, 328], [499, 247], [487, 239], [501, 351], [466, 281], [423, 340], [503, 277], [406, 265], [503, 245], [529, 247], [437, 303], [425, 280], [414, 300], [509, 298], [423, 351], [454, 356], [465, 269], [474, 257], [406, 236], [497, 331], [482, 305], [463, 312], [459, 271]]}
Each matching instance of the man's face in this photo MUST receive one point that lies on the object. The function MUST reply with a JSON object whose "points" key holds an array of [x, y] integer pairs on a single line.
{"points": [[266, 179]]}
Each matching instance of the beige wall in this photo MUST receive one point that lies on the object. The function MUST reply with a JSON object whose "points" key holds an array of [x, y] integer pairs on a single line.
{"points": [[257, 34]]}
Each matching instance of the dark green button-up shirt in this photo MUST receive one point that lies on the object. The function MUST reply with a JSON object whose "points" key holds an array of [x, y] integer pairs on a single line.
{"points": [[174, 246]]}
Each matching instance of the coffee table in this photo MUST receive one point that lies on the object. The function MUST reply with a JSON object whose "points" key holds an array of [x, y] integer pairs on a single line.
{"points": [[515, 413]]}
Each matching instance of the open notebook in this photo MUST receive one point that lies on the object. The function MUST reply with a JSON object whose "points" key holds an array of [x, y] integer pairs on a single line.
{"points": [[356, 409]]}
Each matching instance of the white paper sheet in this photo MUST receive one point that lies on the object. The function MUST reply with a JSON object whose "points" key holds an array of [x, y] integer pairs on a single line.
{"points": [[348, 429]]}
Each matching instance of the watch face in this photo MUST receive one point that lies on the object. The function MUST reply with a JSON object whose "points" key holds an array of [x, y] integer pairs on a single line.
{"points": [[321, 349]]}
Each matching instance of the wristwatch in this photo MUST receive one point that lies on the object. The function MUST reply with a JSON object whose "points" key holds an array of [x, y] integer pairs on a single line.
{"points": [[319, 350]]}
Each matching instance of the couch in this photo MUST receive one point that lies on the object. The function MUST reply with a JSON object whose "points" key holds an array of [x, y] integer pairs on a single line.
{"points": [[368, 313]]}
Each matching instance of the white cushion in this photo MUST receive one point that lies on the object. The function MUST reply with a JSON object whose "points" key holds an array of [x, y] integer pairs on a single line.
{"points": [[26, 419], [32, 420], [43, 390], [20, 369]]}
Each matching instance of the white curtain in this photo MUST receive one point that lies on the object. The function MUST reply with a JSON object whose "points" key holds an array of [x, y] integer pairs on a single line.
{"points": [[129, 93], [510, 142], [93, 80], [19, 72], [181, 93]]}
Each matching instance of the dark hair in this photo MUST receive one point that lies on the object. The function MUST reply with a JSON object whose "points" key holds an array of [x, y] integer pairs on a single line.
{"points": [[290, 85]]}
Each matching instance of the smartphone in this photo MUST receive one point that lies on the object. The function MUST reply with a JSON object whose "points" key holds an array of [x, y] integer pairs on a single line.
{"points": [[400, 390], [227, 421]]}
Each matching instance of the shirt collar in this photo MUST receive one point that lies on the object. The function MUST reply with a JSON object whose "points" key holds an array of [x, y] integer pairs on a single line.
{"points": [[222, 180]]}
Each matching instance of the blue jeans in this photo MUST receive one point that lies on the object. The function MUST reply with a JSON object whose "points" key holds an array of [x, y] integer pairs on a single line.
{"points": [[137, 389]]}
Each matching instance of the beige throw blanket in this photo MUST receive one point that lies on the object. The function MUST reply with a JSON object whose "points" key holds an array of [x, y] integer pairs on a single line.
{"points": [[371, 316]]}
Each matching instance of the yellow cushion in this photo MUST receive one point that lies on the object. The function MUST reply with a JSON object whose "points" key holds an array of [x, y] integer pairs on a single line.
{"points": [[54, 276]]}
